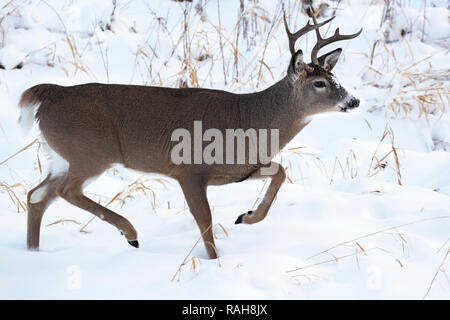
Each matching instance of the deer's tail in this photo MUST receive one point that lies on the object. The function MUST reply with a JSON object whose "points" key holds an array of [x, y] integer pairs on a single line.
{"points": [[30, 102]]}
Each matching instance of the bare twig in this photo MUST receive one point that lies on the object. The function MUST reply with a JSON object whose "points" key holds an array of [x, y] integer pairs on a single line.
{"points": [[377, 232], [436, 273]]}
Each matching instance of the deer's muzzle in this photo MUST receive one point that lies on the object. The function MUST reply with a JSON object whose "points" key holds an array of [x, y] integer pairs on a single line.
{"points": [[350, 104]]}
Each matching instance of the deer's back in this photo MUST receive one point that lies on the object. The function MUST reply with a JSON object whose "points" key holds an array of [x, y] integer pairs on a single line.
{"points": [[129, 124]]}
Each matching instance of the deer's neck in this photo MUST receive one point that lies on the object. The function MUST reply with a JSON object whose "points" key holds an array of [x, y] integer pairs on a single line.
{"points": [[277, 108]]}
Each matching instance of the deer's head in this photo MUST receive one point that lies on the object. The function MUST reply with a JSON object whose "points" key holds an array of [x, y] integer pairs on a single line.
{"points": [[315, 85]]}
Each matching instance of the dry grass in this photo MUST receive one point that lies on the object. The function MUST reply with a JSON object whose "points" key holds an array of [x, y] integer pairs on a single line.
{"points": [[201, 48], [14, 7], [8, 9], [421, 93], [62, 221], [376, 233], [28, 146], [358, 249], [141, 185], [295, 158], [348, 168], [191, 260], [439, 269], [70, 40], [11, 190], [379, 162]]}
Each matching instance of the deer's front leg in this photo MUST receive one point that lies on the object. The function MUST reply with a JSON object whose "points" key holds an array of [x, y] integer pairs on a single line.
{"points": [[260, 213], [194, 190]]}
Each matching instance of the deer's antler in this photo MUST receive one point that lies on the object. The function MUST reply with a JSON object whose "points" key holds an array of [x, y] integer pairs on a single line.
{"points": [[322, 42], [293, 37]]}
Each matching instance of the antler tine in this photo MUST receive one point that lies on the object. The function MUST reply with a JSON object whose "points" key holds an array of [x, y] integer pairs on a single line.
{"points": [[293, 37], [322, 42]]}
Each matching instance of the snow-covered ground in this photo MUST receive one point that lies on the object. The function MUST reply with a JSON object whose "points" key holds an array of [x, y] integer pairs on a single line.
{"points": [[365, 212]]}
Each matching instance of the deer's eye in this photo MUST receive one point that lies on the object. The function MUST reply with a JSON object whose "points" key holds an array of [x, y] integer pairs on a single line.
{"points": [[319, 84]]}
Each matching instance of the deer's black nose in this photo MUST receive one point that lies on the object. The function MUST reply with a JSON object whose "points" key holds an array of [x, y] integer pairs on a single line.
{"points": [[353, 103]]}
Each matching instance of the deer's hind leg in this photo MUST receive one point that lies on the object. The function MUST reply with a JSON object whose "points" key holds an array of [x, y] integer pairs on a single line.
{"points": [[71, 190], [260, 213], [38, 200]]}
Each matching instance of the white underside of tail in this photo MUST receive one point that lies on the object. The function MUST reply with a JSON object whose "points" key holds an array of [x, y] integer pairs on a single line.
{"points": [[58, 167], [28, 117]]}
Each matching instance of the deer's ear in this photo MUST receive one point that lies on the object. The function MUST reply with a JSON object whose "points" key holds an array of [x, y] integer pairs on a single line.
{"points": [[297, 67], [329, 60]]}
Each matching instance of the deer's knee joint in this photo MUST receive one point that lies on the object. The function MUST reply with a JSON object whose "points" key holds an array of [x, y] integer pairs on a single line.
{"points": [[66, 192], [62, 191]]}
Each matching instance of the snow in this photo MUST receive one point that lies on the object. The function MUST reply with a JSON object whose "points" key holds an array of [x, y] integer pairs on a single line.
{"points": [[342, 227]]}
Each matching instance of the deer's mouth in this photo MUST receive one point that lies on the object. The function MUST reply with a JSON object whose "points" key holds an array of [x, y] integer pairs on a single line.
{"points": [[348, 107], [345, 109], [352, 103]]}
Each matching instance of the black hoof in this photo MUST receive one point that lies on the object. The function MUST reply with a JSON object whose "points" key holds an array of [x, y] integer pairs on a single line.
{"points": [[134, 243], [241, 217]]}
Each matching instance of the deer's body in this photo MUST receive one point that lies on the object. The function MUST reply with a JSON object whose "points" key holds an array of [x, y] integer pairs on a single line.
{"points": [[136, 129], [93, 126]]}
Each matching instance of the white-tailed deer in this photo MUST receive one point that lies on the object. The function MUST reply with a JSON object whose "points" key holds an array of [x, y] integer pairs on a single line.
{"points": [[90, 127]]}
